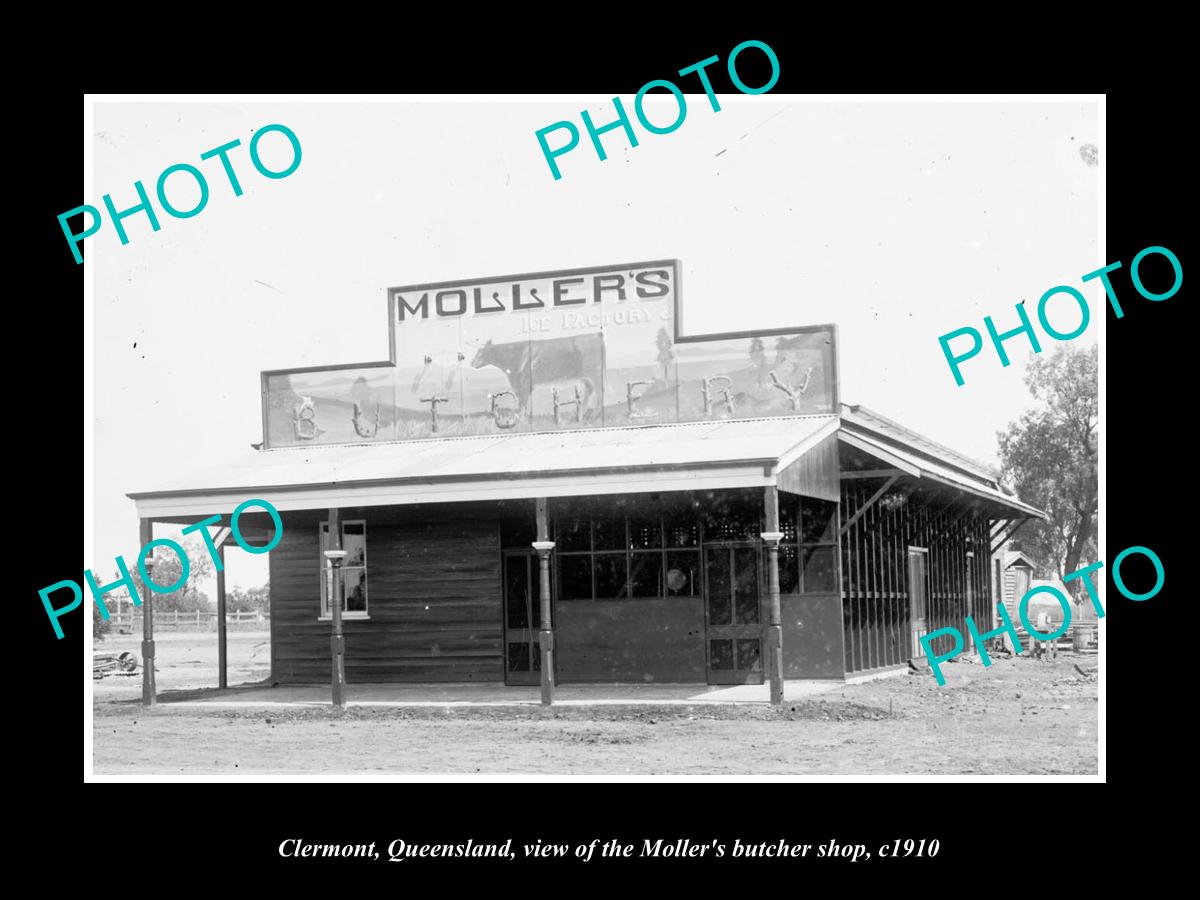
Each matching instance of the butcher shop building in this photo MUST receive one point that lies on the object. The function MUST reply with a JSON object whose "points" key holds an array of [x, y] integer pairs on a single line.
{"points": [[549, 481]]}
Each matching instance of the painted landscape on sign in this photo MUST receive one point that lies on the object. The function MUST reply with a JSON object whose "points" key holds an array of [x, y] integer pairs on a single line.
{"points": [[330, 407], [747, 377]]}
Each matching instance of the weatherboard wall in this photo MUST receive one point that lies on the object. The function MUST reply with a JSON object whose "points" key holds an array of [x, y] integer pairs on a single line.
{"points": [[434, 600]]}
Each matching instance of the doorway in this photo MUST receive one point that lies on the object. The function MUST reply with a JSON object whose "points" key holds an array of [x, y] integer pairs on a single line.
{"points": [[733, 612], [522, 610], [918, 593]]}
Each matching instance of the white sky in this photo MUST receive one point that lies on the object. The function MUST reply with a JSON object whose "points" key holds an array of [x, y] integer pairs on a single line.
{"points": [[898, 221]]}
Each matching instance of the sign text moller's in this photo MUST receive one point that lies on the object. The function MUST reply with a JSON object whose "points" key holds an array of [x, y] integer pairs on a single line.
{"points": [[540, 294], [559, 350]]}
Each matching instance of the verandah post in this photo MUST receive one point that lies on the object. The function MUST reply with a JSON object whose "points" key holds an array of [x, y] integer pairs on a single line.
{"points": [[222, 680], [771, 537], [543, 545], [337, 641], [146, 533]]}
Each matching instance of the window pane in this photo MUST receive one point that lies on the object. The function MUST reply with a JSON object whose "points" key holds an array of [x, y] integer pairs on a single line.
{"points": [[789, 570], [610, 576], [574, 533], [356, 589], [720, 654], [575, 577], [745, 561], [681, 520], [818, 569], [645, 576], [733, 516], [683, 534], [719, 588], [816, 517], [683, 573], [645, 532], [608, 529], [789, 516], [517, 599], [518, 657], [354, 542], [748, 654], [518, 531]]}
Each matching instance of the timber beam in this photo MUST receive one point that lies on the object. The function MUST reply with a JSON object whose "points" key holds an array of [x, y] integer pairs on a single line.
{"points": [[866, 506]]}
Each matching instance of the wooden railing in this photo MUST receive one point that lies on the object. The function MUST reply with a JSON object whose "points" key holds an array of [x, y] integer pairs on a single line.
{"points": [[173, 618]]}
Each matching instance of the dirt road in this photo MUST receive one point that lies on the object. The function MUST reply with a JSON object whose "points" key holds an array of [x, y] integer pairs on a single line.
{"points": [[1018, 717]]}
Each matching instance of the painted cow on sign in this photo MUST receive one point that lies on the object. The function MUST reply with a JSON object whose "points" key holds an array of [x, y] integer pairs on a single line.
{"points": [[578, 359]]}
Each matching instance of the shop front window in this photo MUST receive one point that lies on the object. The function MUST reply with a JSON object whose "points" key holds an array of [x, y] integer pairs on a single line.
{"points": [[808, 551], [626, 548]]}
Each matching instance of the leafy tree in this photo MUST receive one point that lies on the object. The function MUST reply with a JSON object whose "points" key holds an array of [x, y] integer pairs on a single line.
{"points": [[187, 597], [665, 354], [758, 356], [360, 391], [1050, 458], [255, 599], [100, 627]]}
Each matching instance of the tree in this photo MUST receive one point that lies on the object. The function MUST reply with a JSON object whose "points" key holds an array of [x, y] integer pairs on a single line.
{"points": [[1050, 458], [255, 599], [187, 597], [665, 355], [100, 625], [758, 356]]}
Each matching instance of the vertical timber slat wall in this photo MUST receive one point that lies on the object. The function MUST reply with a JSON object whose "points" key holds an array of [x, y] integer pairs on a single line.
{"points": [[847, 583], [875, 568], [872, 589]]}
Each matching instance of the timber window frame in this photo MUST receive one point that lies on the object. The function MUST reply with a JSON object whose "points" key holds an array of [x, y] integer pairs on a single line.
{"points": [[618, 552], [354, 572], [807, 552]]}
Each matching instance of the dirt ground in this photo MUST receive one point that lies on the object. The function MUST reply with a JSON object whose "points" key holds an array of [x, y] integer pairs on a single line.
{"points": [[186, 660], [1019, 716]]}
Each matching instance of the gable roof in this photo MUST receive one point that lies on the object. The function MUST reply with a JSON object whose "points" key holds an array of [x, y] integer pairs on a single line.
{"points": [[921, 457], [1012, 557]]}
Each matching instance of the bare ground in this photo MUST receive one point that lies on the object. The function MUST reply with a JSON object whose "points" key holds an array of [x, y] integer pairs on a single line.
{"points": [[1018, 717]]}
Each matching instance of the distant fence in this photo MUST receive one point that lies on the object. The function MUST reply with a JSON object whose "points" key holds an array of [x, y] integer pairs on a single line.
{"points": [[197, 620], [1083, 635]]}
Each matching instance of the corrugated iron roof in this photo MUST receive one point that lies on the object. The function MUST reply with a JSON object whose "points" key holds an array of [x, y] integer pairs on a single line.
{"points": [[927, 466], [1015, 556], [693, 444], [884, 427], [724, 448]]}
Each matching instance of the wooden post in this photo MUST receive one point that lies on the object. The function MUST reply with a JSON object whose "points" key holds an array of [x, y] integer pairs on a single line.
{"points": [[771, 537], [146, 533], [222, 681], [337, 641], [543, 545]]}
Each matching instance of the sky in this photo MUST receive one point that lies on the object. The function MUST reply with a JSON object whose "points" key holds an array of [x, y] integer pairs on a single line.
{"points": [[899, 221]]}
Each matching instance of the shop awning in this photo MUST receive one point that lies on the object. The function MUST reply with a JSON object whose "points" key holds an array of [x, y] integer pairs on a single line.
{"points": [[918, 457], [692, 456]]}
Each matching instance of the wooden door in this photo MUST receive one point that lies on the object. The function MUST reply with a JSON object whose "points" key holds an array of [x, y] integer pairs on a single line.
{"points": [[733, 613], [522, 661], [918, 593]]}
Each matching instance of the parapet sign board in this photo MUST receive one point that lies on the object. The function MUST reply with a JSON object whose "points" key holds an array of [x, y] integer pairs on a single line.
{"points": [[549, 351]]}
